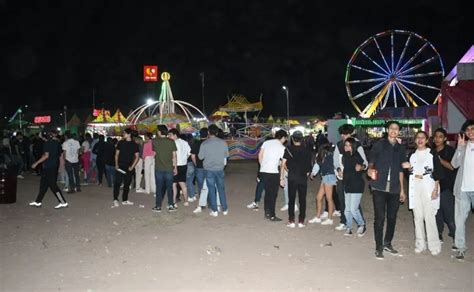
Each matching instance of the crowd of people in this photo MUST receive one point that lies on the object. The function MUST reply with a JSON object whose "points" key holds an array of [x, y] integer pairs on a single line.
{"points": [[440, 185]]}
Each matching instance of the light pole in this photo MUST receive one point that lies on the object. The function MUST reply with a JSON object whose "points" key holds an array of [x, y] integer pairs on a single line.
{"points": [[19, 113], [202, 92], [65, 118], [287, 90]]}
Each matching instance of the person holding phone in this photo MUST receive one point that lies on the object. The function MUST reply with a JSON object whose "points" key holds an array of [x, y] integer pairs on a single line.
{"points": [[386, 163]]}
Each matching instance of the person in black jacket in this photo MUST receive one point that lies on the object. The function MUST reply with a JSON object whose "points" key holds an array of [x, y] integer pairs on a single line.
{"points": [[386, 169], [353, 184]]}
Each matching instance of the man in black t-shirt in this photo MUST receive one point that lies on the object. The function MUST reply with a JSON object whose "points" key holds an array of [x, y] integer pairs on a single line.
{"points": [[126, 157], [49, 173], [297, 159], [446, 209]]}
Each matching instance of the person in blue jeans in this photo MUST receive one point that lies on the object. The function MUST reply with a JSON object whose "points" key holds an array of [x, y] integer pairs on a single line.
{"points": [[259, 188], [199, 169], [214, 153], [165, 167], [354, 185]]}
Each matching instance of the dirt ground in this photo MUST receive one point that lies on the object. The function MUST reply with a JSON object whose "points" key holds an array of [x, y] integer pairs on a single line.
{"points": [[93, 247]]}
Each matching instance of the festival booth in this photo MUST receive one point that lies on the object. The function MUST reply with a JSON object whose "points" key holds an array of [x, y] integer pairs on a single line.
{"points": [[239, 104], [411, 119], [456, 102], [245, 136], [107, 125]]}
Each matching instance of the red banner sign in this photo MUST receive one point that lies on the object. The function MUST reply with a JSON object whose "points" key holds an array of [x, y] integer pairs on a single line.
{"points": [[42, 119], [150, 73]]}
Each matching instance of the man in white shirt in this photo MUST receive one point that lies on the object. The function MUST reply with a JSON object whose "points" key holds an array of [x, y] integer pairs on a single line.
{"points": [[463, 159], [269, 157], [71, 149], [182, 155]]}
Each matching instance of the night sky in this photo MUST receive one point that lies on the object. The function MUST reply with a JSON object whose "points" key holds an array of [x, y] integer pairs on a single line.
{"points": [[54, 53]]}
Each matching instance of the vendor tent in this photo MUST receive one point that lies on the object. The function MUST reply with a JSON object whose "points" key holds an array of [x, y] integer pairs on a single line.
{"points": [[457, 97], [73, 124], [103, 117], [239, 103], [219, 115], [118, 117]]}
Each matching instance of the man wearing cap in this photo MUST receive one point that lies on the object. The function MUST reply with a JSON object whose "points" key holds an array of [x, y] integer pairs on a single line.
{"points": [[49, 174]]}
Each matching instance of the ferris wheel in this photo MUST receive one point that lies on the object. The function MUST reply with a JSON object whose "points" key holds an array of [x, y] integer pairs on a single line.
{"points": [[395, 68]]}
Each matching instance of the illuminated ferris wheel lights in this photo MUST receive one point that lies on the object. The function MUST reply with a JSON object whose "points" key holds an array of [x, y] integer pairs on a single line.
{"points": [[393, 74]]}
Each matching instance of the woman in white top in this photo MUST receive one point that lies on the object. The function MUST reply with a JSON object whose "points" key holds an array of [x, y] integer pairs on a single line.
{"points": [[425, 173]]}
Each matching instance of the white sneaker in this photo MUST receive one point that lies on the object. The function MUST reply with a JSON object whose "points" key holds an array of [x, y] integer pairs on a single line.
{"points": [[214, 214], [225, 212], [127, 203], [20, 176], [301, 225], [435, 252], [361, 231], [35, 204], [291, 224], [324, 215], [419, 250], [191, 199], [140, 191], [341, 227], [327, 222], [284, 208], [185, 204], [252, 205], [197, 210], [315, 220], [336, 213], [61, 205], [116, 203]]}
